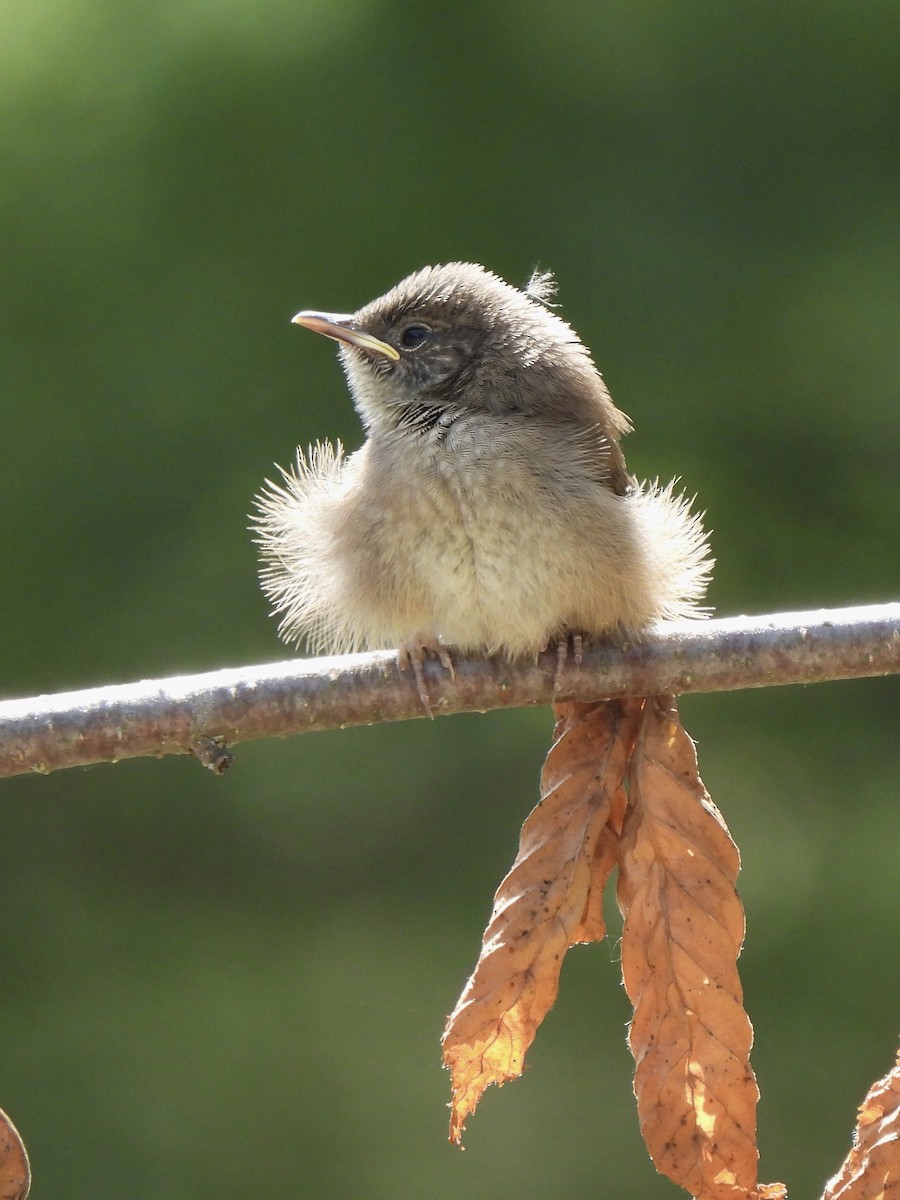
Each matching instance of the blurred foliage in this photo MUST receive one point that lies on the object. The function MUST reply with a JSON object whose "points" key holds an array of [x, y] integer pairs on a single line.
{"points": [[231, 987]]}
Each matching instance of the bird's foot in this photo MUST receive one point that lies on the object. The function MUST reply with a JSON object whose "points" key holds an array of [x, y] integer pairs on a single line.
{"points": [[562, 655], [415, 653]]}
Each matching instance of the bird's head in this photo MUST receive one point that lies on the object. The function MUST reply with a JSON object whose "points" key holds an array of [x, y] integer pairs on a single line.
{"points": [[458, 336]]}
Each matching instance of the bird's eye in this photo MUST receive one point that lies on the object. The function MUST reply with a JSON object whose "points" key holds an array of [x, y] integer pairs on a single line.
{"points": [[413, 336]]}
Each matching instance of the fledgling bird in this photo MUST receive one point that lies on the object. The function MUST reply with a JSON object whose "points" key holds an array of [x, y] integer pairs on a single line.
{"points": [[489, 508]]}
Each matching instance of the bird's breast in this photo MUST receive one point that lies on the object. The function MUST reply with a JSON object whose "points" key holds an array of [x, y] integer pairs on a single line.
{"points": [[481, 525]]}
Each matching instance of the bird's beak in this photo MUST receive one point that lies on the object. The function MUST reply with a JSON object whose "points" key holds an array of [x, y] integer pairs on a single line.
{"points": [[340, 327]]}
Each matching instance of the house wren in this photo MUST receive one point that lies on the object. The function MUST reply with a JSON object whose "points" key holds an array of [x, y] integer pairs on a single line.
{"points": [[489, 508]]}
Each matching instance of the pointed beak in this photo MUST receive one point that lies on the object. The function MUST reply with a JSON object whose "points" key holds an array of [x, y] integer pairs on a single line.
{"points": [[340, 327]]}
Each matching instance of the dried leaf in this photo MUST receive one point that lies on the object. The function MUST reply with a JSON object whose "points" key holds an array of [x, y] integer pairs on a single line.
{"points": [[871, 1171], [15, 1172], [577, 761], [550, 899], [683, 930]]}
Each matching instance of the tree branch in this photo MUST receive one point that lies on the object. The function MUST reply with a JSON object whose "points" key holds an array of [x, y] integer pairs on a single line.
{"points": [[200, 714]]}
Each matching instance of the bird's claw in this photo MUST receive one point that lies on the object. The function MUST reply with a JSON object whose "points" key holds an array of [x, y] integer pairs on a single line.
{"points": [[415, 654], [562, 655]]}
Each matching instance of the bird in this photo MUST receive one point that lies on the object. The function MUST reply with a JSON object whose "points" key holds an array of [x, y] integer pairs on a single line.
{"points": [[489, 508]]}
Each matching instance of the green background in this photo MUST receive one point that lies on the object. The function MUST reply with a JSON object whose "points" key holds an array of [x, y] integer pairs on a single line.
{"points": [[234, 987]]}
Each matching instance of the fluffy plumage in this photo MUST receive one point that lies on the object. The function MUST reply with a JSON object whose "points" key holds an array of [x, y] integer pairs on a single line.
{"points": [[489, 508]]}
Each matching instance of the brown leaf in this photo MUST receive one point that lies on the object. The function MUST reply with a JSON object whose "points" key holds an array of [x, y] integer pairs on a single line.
{"points": [[684, 925], [871, 1171], [550, 899], [15, 1173]]}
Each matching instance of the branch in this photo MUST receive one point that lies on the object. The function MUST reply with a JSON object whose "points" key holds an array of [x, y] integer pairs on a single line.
{"points": [[200, 714]]}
